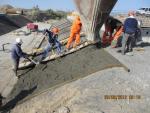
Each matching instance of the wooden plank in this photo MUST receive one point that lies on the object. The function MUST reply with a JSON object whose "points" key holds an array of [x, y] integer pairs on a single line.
{"points": [[55, 56]]}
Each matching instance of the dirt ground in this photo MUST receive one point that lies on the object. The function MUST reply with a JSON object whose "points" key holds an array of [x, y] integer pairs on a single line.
{"points": [[60, 71]]}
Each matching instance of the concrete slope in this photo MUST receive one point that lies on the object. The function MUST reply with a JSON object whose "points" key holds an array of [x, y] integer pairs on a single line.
{"points": [[85, 95], [19, 20], [60, 71], [88, 95], [9, 23], [6, 25], [64, 26]]}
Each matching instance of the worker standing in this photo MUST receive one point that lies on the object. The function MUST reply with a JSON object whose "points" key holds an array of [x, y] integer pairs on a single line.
{"points": [[129, 29], [16, 54], [75, 33], [52, 41]]}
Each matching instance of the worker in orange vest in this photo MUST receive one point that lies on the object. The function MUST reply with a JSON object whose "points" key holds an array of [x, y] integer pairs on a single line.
{"points": [[116, 36], [110, 26], [75, 33]]}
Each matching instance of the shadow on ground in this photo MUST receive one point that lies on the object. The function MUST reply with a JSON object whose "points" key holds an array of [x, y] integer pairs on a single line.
{"points": [[12, 103], [144, 44]]}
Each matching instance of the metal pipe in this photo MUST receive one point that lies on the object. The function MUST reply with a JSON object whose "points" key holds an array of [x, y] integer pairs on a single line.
{"points": [[3, 46]]}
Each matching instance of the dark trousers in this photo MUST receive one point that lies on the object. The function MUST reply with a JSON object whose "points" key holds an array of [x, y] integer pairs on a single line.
{"points": [[15, 65], [127, 42]]}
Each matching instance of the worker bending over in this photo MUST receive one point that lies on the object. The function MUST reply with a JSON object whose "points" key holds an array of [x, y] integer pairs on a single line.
{"points": [[16, 54], [52, 38], [130, 28], [74, 33], [110, 25], [117, 36]]}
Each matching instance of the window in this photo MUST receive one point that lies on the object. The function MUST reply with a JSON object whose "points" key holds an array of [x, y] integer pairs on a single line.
{"points": [[146, 9], [142, 9]]}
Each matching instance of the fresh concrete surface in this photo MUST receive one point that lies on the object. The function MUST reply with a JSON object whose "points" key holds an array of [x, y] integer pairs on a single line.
{"points": [[61, 71], [30, 42], [87, 95]]}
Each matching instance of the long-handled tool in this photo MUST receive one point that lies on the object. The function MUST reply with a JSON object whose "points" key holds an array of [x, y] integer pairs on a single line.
{"points": [[36, 63]]}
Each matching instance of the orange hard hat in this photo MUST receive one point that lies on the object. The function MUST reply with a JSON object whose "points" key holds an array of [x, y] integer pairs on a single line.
{"points": [[55, 30]]}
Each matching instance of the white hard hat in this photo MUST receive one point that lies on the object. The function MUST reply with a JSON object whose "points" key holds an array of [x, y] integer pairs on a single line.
{"points": [[19, 40]]}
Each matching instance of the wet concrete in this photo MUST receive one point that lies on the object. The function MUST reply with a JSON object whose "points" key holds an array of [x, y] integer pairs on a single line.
{"points": [[63, 70]]}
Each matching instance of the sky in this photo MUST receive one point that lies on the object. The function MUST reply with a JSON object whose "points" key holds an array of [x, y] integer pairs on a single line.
{"points": [[68, 5]]}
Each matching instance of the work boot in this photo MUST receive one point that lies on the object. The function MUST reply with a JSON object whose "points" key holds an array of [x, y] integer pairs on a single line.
{"points": [[130, 50], [66, 50]]}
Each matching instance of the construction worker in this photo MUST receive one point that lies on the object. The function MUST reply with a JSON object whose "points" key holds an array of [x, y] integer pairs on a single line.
{"points": [[52, 41], [129, 29], [117, 35], [110, 26], [74, 33], [16, 54]]}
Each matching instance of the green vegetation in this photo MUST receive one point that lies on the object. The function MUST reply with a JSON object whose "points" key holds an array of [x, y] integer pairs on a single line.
{"points": [[36, 14]]}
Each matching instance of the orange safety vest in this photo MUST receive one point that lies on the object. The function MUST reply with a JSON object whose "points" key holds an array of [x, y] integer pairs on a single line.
{"points": [[118, 33], [76, 26]]}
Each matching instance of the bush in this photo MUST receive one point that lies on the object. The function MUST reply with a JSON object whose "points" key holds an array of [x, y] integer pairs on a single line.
{"points": [[37, 15]]}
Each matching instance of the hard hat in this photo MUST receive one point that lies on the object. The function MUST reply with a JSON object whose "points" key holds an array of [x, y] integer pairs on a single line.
{"points": [[55, 30], [19, 40]]}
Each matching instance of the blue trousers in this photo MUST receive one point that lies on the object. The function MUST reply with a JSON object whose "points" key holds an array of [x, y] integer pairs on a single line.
{"points": [[49, 47]]}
